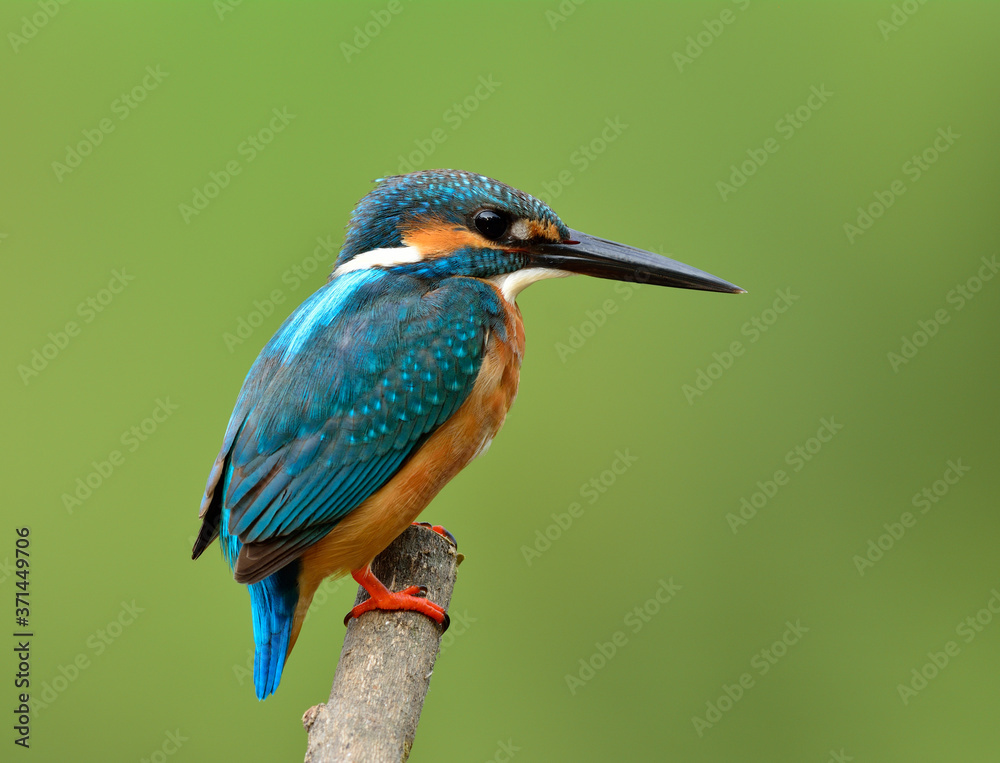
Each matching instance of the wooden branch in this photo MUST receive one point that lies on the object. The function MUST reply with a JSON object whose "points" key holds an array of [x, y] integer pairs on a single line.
{"points": [[386, 663]]}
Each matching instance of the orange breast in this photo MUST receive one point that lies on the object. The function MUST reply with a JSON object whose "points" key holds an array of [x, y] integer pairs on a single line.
{"points": [[373, 525]]}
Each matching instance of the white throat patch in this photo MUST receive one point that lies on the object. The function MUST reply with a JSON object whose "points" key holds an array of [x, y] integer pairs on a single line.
{"points": [[381, 258], [512, 284]]}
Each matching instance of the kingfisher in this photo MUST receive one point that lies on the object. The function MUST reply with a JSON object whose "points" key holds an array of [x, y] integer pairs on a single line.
{"points": [[384, 384]]}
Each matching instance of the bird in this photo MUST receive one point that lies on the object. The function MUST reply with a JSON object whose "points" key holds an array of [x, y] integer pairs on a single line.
{"points": [[385, 383]]}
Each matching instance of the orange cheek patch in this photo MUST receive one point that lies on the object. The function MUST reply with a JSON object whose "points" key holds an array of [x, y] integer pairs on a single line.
{"points": [[539, 229], [437, 238]]}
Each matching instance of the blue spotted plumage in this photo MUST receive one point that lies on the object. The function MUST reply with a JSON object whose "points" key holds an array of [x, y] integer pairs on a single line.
{"points": [[383, 384], [339, 420]]}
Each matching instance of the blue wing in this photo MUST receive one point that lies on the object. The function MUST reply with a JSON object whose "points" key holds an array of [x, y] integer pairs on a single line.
{"points": [[347, 389]]}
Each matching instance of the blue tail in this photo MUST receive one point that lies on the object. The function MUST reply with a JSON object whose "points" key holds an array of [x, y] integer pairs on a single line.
{"points": [[272, 602]]}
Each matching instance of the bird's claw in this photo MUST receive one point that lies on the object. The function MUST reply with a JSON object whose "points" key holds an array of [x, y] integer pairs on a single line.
{"points": [[440, 530], [410, 599]]}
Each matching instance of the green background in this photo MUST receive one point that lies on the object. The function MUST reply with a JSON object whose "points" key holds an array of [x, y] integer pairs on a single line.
{"points": [[559, 71]]}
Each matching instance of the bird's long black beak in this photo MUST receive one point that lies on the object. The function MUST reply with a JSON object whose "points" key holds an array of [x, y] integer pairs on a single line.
{"points": [[592, 256]]}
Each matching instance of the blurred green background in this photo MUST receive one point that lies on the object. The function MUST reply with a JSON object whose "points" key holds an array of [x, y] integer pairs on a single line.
{"points": [[838, 160]]}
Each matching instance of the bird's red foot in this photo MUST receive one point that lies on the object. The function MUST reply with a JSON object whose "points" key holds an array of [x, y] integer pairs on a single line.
{"points": [[411, 599], [443, 532]]}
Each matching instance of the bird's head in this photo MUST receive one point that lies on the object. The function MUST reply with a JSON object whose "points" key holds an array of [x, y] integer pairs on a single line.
{"points": [[441, 223]]}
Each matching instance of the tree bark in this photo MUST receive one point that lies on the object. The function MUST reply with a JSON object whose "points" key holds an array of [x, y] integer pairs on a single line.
{"points": [[386, 662]]}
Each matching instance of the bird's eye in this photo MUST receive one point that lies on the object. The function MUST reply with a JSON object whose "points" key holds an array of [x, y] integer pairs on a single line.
{"points": [[491, 224]]}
